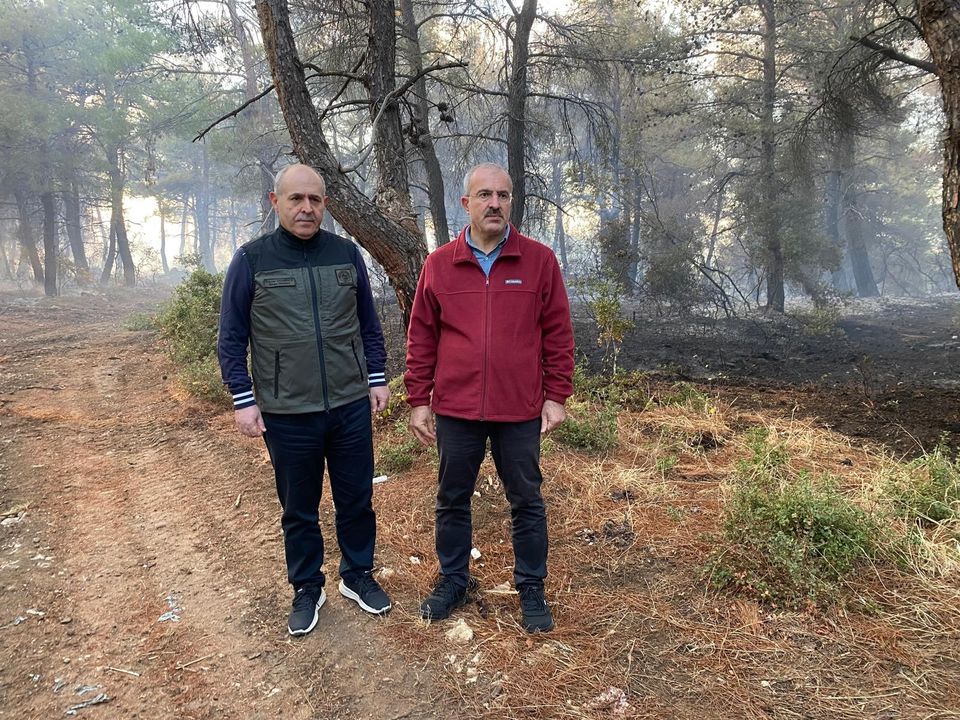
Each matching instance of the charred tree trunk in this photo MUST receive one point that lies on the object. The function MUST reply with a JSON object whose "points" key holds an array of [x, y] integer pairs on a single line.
{"points": [[420, 136], [940, 20], [393, 240], [27, 241], [517, 109]]}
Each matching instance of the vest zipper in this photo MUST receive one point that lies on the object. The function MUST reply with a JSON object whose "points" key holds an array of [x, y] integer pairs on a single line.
{"points": [[486, 344], [316, 324]]}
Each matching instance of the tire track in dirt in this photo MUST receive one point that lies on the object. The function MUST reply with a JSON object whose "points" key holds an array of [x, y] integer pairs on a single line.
{"points": [[141, 503]]}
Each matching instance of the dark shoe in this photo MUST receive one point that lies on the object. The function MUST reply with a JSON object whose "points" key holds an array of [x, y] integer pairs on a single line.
{"points": [[367, 593], [445, 598], [307, 600], [536, 612]]}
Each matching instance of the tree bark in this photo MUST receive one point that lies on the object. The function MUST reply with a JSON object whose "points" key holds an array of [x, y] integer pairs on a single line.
{"points": [[940, 20], [253, 124], [559, 232], [852, 226], [27, 241], [161, 211], [50, 249], [768, 148], [71, 211], [202, 212], [393, 240], [111, 255], [420, 136], [517, 107], [117, 224]]}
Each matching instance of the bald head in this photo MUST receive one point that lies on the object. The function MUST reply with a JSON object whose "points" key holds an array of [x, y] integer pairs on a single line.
{"points": [[299, 198]]}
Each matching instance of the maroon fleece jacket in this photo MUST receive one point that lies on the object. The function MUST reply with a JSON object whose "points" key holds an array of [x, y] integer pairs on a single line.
{"points": [[494, 348]]}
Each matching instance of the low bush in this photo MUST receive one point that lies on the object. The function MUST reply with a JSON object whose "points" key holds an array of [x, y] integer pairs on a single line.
{"points": [[394, 457], [188, 329], [789, 537], [587, 427], [928, 489]]}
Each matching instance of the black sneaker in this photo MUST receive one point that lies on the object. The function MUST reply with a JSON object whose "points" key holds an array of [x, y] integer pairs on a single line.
{"points": [[367, 593], [445, 598], [536, 612], [307, 600]]}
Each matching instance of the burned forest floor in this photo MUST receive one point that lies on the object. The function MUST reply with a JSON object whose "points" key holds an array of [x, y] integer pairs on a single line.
{"points": [[141, 569]]}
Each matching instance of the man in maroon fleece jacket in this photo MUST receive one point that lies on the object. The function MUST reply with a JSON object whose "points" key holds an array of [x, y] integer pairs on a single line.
{"points": [[490, 353]]}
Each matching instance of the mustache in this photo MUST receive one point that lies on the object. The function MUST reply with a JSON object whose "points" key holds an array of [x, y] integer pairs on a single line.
{"points": [[493, 213]]}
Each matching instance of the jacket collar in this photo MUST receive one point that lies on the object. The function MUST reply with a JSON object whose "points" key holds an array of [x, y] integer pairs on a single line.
{"points": [[463, 253], [290, 240]]}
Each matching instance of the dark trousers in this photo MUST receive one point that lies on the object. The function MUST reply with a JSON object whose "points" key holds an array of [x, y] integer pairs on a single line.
{"points": [[516, 454], [299, 445]]}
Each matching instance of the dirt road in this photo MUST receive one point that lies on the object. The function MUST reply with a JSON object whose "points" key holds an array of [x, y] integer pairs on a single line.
{"points": [[140, 554]]}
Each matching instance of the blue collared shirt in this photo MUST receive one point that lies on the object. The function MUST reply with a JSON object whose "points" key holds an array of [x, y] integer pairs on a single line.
{"points": [[486, 260]]}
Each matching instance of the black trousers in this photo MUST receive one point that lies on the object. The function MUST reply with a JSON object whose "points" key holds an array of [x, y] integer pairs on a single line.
{"points": [[299, 445], [516, 454]]}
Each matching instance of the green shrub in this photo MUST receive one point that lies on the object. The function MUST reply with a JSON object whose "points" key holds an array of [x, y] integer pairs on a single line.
{"points": [[686, 395], [630, 390], [588, 428], [140, 321], [928, 491], [393, 458], [188, 329], [788, 537], [201, 379]]}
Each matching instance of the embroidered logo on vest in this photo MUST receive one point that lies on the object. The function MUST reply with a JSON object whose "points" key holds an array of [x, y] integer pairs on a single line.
{"points": [[513, 281], [344, 277]]}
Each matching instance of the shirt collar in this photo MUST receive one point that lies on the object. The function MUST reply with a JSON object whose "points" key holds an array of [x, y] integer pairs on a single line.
{"points": [[506, 234]]}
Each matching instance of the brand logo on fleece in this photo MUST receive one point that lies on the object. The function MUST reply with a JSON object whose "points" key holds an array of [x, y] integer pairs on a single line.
{"points": [[513, 281]]}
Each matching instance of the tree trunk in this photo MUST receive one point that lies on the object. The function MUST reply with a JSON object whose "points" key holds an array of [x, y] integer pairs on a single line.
{"points": [[27, 241], [117, 224], [161, 211], [852, 226], [559, 232], [636, 225], [393, 240], [940, 20], [252, 122], [517, 108], [111, 255], [184, 214], [71, 211], [202, 213], [768, 149], [393, 189], [420, 136], [50, 249], [834, 212]]}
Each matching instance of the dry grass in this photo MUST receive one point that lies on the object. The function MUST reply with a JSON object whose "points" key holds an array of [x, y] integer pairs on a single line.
{"points": [[639, 633]]}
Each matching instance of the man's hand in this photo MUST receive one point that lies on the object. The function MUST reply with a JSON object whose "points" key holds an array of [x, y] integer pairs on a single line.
{"points": [[249, 421], [378, 398], [552, 414], [421, 425]]}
